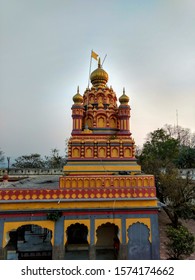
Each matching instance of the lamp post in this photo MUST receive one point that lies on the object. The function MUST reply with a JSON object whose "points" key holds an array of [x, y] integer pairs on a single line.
{"points": [[8, 164]]}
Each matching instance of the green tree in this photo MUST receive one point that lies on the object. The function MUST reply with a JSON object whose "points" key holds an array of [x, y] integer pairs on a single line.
{"points": [[183, 135], [2, 158], [180, 244], [177, 194], [29, 161], [186, 157], [55, 160], [159, 151], [186, 140], [159, 157]]}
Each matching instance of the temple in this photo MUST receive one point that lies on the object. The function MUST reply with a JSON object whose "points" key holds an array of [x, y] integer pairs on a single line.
{"points": [[101, 142], [103, 206]]}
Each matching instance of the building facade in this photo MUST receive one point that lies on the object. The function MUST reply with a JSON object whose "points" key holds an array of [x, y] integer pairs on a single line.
{"points": [[103, 207]]}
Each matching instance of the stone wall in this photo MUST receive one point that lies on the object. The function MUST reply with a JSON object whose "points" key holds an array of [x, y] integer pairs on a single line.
{"points": [[30, 172]]}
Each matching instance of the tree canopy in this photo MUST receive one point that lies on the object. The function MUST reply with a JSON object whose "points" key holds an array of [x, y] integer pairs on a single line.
{"points": [[163, 153], [159, 150], [54, 160], [36, 161], [29, 161], [2, 156]]}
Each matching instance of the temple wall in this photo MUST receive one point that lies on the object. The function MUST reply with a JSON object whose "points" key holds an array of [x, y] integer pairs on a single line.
{"points": [[124, 221], [30, 171]]}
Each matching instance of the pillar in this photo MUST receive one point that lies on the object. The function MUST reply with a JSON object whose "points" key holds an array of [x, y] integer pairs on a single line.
{"points": [[92, 248], [92, 252], [2, 250], [58, 247], [155, 237], [2, 254], [122, 252], [123, 246]]}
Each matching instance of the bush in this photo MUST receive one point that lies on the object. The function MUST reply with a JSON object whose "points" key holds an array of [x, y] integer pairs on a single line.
{"points": [[54, 216], [180, 244]]}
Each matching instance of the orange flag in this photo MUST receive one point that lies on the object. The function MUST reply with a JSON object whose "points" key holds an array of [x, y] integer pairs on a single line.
{"points": [[94, 55]]}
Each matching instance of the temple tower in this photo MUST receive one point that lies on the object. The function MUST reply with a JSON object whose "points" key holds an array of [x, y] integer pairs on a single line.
{"points": [[101, 136], [77, 113], [103, 178]]}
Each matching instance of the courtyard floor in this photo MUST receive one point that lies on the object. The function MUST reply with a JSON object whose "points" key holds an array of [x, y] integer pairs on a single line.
{"points": [[163, 221]]}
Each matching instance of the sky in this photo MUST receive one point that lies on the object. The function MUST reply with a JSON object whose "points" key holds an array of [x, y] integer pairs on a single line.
{"points": [[45, 48]]}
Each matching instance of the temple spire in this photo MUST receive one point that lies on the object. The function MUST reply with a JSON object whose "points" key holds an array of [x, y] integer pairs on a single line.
{"points": [[99, 63], [78, 98], [124, 99]]}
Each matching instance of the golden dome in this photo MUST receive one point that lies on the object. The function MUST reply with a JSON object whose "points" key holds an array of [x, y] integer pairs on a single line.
{"points": [[124, 99], [99, 77], [77, 98]]}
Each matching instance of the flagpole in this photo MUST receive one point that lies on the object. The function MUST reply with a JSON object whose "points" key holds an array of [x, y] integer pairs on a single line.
{"points": [[90, 68], [86, 126], [104, 60], [93, 55]]}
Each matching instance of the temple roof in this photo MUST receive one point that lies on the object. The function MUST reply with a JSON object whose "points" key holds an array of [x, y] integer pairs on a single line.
{"points": [[36, 182]]}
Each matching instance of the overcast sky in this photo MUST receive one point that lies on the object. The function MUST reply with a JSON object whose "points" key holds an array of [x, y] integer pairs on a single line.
{"points": [[45, 54]]}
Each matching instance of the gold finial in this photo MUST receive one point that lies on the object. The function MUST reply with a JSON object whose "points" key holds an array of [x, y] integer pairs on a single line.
{"points": [[99, 63], [77, 98], [124, 99], [99, 77]]}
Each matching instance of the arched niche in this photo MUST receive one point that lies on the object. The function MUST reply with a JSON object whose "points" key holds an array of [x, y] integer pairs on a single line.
{"points": [[89, 121], [91, 98], [114, 152], [29, 241], [102, 152], [107, 241], [101, 121], [139, 245], [145, 221], [69, 223], [100, 98], [112, 122], [89, 152], [77, 234], [13, 226], [106, 234], [75, 152], [127, 152], [115, 222]]}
